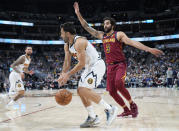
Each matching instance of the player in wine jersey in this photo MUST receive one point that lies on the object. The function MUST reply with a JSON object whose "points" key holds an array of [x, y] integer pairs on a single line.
{"points": [[115, 59], [87, 56], [20, 66]]}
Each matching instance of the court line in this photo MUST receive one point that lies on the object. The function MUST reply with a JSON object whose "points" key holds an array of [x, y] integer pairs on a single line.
{"points": [[28, 114]]}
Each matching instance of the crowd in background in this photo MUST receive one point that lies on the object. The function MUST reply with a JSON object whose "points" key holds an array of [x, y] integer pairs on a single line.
{"points": [[144, 69]]}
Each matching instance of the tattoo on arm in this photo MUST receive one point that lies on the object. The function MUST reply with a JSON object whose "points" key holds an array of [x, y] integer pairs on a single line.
{"points": [[92, 31], [19, 61]]}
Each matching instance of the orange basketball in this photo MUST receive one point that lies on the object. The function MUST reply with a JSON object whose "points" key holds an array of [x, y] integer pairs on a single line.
{"points": [[63, 97]]}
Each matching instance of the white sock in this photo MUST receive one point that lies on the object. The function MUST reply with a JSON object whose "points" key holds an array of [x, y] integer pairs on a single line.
{"points": [[91, 111], [105, 104]]}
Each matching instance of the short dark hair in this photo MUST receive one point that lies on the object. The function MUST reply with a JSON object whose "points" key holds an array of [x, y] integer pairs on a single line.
{"points": [[112, 21], [69, 27], [27, 46]]}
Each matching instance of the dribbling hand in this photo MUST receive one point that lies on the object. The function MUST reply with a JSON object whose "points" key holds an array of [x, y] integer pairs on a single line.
{"points": [[60, 79]]}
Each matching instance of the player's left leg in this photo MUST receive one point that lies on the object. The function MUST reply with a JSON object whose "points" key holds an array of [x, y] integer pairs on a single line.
{"points": [[16, 88], [120, 85]]}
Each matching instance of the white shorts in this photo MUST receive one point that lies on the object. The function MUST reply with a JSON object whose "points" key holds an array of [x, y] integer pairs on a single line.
{"points": [[92, 76], [16, 83]]}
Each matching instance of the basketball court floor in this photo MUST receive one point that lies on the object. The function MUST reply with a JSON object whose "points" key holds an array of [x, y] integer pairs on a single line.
{"points": [[38, 111]]}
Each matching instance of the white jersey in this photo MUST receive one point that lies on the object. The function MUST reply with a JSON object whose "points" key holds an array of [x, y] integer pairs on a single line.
{"points": [[16, 83], [92, 55], [25, 64]]}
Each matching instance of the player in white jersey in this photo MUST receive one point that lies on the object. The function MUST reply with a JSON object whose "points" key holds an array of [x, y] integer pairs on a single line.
{"points": [[20, 66], [87, 57]]}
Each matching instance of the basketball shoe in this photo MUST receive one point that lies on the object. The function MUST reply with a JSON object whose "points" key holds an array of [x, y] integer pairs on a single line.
{"points": [[90, 122], [111, 114], [125, 114], [134, 109]]}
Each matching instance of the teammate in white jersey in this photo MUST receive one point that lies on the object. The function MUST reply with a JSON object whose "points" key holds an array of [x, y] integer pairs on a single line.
{"points": [[20, 66], [87, 57]]}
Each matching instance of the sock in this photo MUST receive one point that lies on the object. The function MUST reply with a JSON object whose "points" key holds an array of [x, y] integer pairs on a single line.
{"points": [[105, 104], [91, 111]]}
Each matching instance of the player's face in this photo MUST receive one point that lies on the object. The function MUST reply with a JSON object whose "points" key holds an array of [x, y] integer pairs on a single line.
{"points": [[28, 50], [107, 26], [64, 36]]}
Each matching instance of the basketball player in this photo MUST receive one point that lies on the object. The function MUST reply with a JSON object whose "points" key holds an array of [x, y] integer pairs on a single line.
{"points": [[115, 59], [87, 56], [20, 66]]}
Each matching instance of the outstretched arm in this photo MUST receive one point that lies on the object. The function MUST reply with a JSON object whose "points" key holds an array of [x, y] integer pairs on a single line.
{"points": [[121, 36], [92, 31]]}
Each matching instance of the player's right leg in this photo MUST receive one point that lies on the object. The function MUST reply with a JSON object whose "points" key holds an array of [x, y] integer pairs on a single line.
{"points": [[92, 118]]}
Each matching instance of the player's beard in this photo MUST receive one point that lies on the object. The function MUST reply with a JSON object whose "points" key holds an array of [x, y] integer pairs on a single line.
{"points": [[28, 54], [107, 30]]}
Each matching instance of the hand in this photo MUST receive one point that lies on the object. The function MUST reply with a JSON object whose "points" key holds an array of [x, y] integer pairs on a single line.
{"points": [[156, 52], [65, 78], [76, 7], [31, 72], [60, 78]]}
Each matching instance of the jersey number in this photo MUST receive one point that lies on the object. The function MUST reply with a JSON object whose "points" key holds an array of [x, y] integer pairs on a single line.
{"points": [[107, 48]]}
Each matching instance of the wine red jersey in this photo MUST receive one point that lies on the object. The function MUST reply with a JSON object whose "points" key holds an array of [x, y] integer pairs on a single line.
{"points": [[113, 49]]}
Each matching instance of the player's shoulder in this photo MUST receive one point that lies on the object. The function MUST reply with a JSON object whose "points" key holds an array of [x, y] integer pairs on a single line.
{"points": [[22, 56], [80, 38], [80, 43], [120, 32]]}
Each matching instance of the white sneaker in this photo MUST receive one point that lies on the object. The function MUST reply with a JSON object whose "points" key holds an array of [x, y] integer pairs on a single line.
{"points": [[111, 115], [11, 105]]}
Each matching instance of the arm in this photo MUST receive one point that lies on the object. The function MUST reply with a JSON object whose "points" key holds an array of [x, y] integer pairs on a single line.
{"points": [[26, 70], [19, 61], [92, 31], [80, 47], [31, 72], [121, 36], [67, 60]]}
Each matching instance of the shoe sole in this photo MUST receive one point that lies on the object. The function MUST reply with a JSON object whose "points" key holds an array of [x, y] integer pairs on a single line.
{"points": [[91, 126], [96, 123], [129, 116], [134, 116]]}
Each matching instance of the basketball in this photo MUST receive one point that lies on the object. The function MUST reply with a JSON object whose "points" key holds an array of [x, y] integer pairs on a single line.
{"points": [[63, 97]]}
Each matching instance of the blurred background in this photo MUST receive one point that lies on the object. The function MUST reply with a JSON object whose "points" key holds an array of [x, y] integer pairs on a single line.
{"points": [[37, 22]]}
